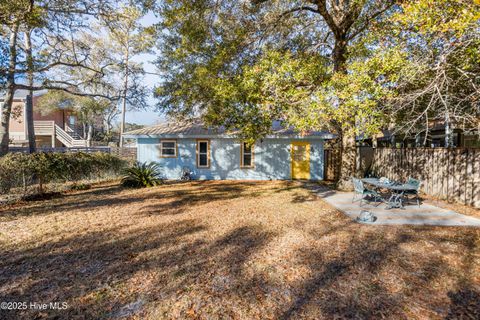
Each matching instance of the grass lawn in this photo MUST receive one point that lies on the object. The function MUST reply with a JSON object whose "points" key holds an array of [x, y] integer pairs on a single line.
{"points": [[228, 250]]}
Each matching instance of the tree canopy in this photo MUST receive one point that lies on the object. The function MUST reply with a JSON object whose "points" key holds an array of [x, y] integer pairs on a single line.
{"points": [[351, 67], [70, 46]]}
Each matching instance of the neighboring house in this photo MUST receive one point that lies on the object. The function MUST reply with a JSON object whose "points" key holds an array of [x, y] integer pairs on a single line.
{"points": [[216, 154], [56, 129], [436, 138]]}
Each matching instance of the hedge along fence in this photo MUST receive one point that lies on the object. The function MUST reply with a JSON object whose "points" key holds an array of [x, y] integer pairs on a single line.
{"points": [[19, 170], [452, 174]]}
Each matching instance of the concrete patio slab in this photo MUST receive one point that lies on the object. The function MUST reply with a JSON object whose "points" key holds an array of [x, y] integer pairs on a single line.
{"points": [[426, 214]]}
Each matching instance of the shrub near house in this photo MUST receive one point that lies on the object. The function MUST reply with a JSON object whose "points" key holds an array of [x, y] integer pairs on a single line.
{"points": [[18, 169], [142, 175]]}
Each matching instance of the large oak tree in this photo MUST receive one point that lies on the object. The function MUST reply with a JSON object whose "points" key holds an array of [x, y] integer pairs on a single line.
{"points": [[230, 62]]}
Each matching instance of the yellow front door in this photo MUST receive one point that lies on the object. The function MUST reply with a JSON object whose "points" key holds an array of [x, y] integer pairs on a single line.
{"points": [[300, 154]]}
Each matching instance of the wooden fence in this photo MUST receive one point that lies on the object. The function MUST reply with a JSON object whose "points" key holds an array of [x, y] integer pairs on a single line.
{"points": [[62, 149], [452, 174], [129, 154], [331, 164]]}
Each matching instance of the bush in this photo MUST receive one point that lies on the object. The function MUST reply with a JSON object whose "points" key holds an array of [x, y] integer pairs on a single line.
{"points": [[19, 169], [142, 175]]}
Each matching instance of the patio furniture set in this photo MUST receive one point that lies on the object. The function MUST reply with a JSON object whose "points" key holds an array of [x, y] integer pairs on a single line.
{"points": [[395, 194]]}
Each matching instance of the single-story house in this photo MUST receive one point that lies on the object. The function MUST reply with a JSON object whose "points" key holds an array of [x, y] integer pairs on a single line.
{"points": [[216, 154]]}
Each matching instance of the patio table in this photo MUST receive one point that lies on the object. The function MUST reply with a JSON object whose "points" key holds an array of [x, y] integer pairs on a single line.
{"points": [[397, 191]]}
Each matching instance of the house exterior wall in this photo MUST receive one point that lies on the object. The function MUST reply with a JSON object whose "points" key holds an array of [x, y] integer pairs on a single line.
{"points": [[45, 142], [271, 158], [17, 129], [17, 125], [59, 116]]}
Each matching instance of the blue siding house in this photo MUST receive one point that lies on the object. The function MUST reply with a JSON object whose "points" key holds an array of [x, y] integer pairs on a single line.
{"points": [[214, 154]]}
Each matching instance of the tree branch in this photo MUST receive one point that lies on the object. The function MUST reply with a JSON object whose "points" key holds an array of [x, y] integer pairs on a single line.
{"points": [[368, 20], [302, 8], [65, 89]]}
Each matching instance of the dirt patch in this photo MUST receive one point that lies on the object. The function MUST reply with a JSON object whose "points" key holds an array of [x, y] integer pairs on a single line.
{"points": [[236, 250]]}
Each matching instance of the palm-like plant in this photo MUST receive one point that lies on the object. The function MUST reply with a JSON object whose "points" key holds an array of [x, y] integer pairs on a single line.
{"points": [[142, 175]]}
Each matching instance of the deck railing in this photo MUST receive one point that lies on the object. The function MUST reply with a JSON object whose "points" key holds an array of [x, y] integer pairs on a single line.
{"points": [[44, 128], [49, 128]]}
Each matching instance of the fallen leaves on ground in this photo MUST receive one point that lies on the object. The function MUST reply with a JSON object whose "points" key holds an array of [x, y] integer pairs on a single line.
{"points": [[228, 250]]}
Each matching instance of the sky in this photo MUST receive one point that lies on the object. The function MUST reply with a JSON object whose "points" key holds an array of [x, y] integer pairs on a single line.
{"points": [[147, 117]]}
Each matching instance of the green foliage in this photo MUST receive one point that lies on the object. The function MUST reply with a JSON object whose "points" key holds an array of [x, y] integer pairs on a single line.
{"points": [[123, 37], [125, 32], [300, 90], [17, 169], [441, 17], [87, 108], [142, 175], [429, 64], [243, 65], [22, 10]]}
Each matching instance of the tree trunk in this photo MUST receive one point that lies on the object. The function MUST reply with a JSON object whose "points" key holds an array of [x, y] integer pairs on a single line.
{"points": [[348, 155], [346, 140], [29, 123], [124, 100], [40, 185], [10, 86], [448, 131], [89, 135], [339, 55], [122, 122], [29, 104]]}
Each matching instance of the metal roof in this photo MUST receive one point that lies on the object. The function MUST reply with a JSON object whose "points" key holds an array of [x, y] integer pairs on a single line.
{"points": [[198, 129]]}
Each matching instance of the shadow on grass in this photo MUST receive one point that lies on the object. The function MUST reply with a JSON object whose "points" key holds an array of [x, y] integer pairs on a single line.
{"points": [[465, 304], [79, 270], [97, 197], [351, 286], [349, 270], [200, 192], [175, 200]]}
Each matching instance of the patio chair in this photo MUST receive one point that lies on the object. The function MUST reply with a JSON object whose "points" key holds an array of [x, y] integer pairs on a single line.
{"points": [[415, 183], [360, 189]]}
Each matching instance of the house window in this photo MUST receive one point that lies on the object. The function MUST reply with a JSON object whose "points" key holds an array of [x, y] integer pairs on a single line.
{"points": [[203, 153], [246, 156], [168, 148], [71, 121]]}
